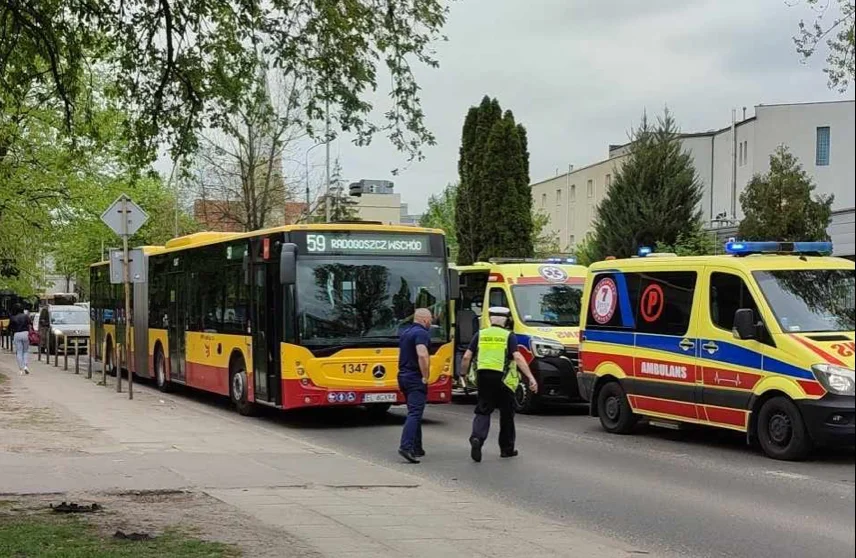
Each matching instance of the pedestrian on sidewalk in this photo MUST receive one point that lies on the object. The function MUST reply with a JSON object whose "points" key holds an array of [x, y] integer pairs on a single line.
{"points": [[19, 325], [413, 372], [494, 352]]}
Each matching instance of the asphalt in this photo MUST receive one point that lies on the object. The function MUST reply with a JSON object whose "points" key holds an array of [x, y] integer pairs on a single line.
{"points": [[697, 492], [686, 493]]}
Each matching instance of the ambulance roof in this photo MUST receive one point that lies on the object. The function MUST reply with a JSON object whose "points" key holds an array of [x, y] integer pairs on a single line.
{"points": [[523, 269], [748, 263]]}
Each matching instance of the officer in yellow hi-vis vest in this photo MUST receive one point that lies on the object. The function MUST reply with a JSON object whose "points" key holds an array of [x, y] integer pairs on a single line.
{"points": [[496, 363]]}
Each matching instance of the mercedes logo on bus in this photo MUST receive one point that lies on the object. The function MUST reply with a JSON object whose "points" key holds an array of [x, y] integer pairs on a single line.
{"points": [[378, 371]]}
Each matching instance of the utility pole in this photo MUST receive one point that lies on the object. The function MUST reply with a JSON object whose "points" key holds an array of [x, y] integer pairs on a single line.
{"points": [[308, 197], [327, 208]]}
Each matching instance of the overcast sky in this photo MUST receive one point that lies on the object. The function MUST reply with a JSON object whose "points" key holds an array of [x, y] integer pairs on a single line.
{"points": [[579, 73]]}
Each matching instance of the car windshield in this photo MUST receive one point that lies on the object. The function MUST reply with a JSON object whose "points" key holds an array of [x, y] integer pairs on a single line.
{"points": [[70, 317], [548, 305], [810, 300], [358, 301]]}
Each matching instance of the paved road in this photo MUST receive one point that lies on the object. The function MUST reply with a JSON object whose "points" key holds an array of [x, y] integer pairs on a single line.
{"points": [[701, 493], [692, 493]]}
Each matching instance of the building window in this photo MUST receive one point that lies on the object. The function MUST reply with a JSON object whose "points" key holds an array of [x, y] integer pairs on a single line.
{"points": [[573, 240], [746, 152], [543, 200], [740, 157], [573, 192], [558, 197], [608, 180], [822, 146], [590, 188]]}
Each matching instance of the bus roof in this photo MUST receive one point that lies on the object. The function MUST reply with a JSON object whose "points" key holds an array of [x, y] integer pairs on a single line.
{"points": [[206, 238]]}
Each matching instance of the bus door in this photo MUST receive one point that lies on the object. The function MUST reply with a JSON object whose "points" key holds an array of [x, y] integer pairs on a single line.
{"points": [[266, 321], [176, 286]]}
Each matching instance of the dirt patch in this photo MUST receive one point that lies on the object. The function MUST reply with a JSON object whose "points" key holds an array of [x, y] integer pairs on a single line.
{"points": [[27, 427], [156, 512]]}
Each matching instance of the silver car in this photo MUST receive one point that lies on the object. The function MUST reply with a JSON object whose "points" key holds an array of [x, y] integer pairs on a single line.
{"points": [[60, 326]]}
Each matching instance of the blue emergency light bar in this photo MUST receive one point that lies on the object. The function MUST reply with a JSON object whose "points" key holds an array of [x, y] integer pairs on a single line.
{"points": [[739, 248], [570, 261], [644, 251]]}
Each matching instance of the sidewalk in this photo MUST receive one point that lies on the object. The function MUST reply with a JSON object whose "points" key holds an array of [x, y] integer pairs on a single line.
{"points": [[63, 433]]}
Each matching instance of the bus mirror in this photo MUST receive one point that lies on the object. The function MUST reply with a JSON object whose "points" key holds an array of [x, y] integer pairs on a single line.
{"points": [[454, 284], [288, 264]]}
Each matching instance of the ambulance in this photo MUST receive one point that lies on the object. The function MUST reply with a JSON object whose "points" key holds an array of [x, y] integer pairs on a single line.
{"points": [[544, 297], [759, 340]]}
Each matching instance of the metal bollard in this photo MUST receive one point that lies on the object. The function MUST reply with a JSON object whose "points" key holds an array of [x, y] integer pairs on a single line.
{"points": [[104, 364], [77, 355], [89, 356], [117, 353], [39, 350], [65, 355]]}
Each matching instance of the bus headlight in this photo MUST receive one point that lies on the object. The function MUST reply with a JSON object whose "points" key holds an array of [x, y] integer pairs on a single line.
{"points": [[835, 379], [545, 348]]}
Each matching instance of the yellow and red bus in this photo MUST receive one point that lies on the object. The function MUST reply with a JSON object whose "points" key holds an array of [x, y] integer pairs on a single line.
{"points": [[290, 317]]}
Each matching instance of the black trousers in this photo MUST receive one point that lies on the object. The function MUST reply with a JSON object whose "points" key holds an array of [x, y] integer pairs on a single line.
{"points": [[493, 394]]}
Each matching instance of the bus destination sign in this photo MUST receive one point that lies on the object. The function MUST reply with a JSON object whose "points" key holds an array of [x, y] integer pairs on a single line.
{"points": [[368, 243]]}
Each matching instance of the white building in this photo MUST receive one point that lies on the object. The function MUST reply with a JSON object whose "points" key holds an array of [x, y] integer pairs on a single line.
{"points": [[821, 135]]}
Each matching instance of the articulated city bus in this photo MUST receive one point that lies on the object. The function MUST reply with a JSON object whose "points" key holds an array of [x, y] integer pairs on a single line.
{"points": [[290, 317]]}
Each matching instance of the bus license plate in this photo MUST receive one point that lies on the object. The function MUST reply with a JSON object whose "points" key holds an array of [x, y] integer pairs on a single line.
{"points": [[380, 398]]}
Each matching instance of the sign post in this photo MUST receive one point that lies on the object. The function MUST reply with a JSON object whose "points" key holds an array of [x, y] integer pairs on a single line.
{"points": [[125, 218]]}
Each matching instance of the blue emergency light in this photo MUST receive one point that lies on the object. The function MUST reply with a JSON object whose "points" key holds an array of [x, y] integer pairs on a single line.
{"points": [[739, 248], [644, 251], [570, 261]]}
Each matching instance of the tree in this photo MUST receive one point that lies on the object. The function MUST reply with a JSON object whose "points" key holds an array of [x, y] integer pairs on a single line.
{"points": [[839, 37], [505, 220], [240, 166], [545, 241], [584, 251], [441, 215], [654, 196], [694, 242], [477, 126], [164, 58], [493, 204], [779, 205]]}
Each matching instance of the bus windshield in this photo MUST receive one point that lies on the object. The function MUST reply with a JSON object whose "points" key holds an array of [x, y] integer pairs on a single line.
{"points": [[353, 301], [548, 305], [813, 300]]}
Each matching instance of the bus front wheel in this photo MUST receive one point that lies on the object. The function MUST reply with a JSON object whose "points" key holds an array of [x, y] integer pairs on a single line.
{"points": [[238, 390]]}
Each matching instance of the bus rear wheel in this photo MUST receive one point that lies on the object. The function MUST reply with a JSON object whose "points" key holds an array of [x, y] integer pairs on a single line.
{"points": [[238, 389], [161, 378]]}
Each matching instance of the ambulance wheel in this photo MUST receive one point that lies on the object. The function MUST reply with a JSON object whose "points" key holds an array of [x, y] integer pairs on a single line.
{"points": [[614, 410], [525, 402], [781, 431], [238, 389]]}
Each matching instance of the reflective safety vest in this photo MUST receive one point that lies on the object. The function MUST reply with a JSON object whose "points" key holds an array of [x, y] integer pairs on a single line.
{"points": [[492, 355]]}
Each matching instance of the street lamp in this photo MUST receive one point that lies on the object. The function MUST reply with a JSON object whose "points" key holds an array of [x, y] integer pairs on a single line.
{"points": [[307, 174]]}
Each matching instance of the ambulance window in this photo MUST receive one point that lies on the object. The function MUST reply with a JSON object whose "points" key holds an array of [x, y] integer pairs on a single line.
{"points": [[613, 297], [665, 302], [728, 294], [498, 298]]}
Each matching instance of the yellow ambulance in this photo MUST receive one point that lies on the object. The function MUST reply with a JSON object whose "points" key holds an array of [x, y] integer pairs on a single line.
{"points": [[544, 297], [760, 340]]}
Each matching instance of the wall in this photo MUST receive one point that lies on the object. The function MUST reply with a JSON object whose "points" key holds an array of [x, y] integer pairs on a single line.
{"points": [[385, 208]]}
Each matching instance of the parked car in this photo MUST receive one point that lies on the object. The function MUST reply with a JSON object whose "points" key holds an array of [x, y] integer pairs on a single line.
{"points": [[60, 326]]}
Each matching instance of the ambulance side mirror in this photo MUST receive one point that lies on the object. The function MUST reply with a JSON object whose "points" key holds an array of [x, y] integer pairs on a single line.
{"points": [[745, 326]]}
